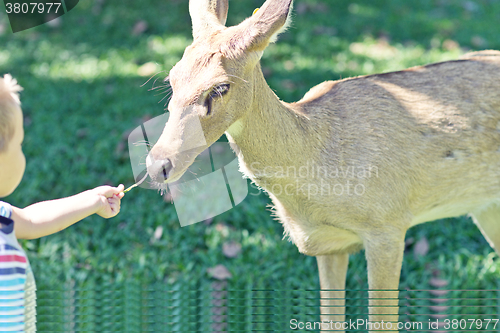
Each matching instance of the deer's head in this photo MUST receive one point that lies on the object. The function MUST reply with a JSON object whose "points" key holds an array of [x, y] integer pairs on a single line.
{"points": [[214, 83]]}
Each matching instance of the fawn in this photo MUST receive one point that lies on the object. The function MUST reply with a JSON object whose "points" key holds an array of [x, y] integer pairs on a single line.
{"points": [[424, 144]]}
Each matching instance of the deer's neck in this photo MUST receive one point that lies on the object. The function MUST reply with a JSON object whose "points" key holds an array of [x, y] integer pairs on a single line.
{"points": [[271, 134]]}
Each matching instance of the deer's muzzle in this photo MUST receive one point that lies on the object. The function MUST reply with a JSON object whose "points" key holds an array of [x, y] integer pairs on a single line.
{"points": [[158, 170]]}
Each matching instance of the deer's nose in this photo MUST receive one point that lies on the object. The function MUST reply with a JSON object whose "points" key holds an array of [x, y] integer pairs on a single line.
{"points": [[159, 170]]}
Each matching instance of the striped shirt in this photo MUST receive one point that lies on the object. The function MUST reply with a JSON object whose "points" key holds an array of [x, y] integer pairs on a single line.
{"points": [[17, 285]]}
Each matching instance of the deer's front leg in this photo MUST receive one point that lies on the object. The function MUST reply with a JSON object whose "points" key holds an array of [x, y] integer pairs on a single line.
{"points": [[332, 272], [384, 256]]}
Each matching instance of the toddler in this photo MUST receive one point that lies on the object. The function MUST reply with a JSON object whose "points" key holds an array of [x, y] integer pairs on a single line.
{"points": [[17, 285]]}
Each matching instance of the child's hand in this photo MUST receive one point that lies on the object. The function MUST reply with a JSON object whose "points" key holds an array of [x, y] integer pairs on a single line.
{"points": [[109, 200]]}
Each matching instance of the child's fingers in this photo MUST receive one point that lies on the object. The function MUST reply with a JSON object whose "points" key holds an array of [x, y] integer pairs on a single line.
{"points": [[117, 190], [114, 205], [114, 200], [109, 191], [111, 205]]}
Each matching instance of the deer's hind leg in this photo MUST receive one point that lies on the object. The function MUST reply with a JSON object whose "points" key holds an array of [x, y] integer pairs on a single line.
{"points": [[384, 257], [488, 221]]}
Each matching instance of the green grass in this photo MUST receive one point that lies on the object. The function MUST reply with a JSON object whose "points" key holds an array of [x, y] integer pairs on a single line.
{"points": [[82, 94]]}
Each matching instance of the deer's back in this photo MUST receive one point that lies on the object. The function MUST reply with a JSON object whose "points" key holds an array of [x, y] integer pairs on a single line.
{"points": [[431, 132]]}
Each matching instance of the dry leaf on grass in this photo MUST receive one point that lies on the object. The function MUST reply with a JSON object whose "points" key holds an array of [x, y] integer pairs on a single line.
{"points": [[231, 249], [219, 272], [139, 27], [158, 232], [438, 292], [439, 300], [438, 308], [438, 283], [421, 248]]}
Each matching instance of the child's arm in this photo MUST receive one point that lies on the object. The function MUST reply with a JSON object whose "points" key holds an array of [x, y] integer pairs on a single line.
{"points": [[48, 217]]}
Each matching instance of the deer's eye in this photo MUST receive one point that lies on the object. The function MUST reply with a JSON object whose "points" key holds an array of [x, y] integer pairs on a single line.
{"points": [[219, 91], [216, 92]]}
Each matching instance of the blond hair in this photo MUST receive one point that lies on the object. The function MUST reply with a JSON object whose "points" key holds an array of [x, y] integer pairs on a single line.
{"points": [[9, 99]]}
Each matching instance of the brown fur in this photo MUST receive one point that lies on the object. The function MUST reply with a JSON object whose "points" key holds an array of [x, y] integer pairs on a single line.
{"points": [[422, 144]]}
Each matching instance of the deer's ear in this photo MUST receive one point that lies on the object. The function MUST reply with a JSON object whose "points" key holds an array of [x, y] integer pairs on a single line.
{"points": [[207, 15], [267, 23]]}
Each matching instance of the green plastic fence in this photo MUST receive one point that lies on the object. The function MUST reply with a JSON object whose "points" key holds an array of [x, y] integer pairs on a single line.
{"points": [[221, 306]]}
